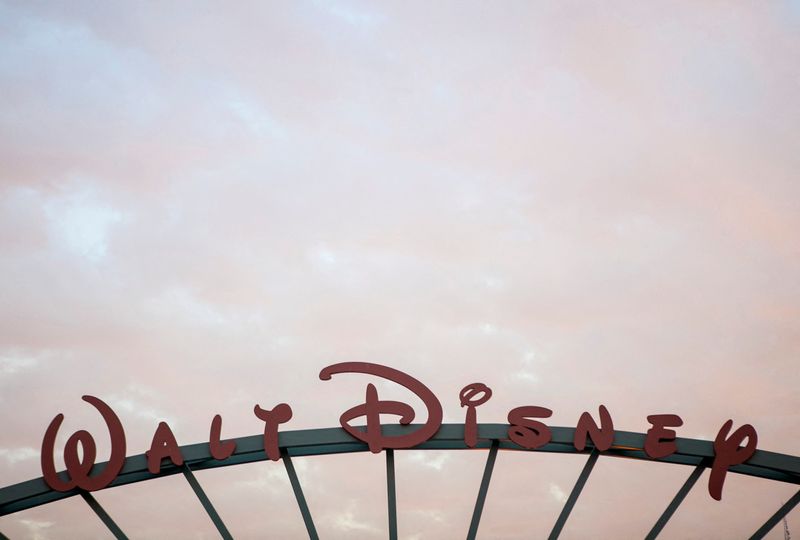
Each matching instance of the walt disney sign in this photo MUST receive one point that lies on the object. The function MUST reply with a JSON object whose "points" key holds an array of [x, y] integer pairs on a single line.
{"points": [[526, 430]]}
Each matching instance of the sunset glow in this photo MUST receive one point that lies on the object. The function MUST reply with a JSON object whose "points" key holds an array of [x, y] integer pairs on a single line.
{"points": [[575, 203]]}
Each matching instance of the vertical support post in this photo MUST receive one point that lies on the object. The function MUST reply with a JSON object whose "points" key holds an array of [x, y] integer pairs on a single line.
{"points": [[103, 515], [676, 501], [776, 517], [206, 502], [487, 476], [573, 496], [298, 494], [391, 494]]}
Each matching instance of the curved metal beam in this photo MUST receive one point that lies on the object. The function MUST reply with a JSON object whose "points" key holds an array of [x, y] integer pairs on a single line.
{"points": [[313, 442]]}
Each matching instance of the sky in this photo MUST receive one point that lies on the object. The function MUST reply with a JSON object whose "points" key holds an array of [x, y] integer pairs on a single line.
{"points": [[575, 203]]}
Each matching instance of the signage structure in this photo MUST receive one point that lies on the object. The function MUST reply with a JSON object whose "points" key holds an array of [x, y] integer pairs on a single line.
{"points": [[526, 430], [733, 450]]}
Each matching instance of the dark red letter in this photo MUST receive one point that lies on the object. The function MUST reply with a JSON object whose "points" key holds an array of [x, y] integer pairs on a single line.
{"points": [[660, 442], [163, 446], [219, 449], [727, 452], [467, 396], [372, 408], [602, 437], [272, 420], [78, 469], [528, 433]]}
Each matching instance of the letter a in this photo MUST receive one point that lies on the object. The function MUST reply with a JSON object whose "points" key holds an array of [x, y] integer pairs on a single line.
{"points": [[163, 446]]}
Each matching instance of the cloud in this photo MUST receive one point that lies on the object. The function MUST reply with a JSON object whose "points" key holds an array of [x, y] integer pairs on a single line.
{"points": [[137, 401], [433, 460], [555, 491], [273, 480], [203, 207], [80, 222], [11, 365], [255, 118], [349, 521], [37, 529], [526, 376], [352, 15], [14, 455]]}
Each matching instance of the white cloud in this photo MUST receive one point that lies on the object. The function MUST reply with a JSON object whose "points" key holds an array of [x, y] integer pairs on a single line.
{"points": [[493, 283], [255, 118], [81, 223], [273, 479], [179, 304], [77, 71], [430, 514], [488, 328], [9, 365], [527, 376], [37, 528], [15, 455], [557, 493], [434, 460], [348, 522], [323, 257], [353, 16], [135, 401], [269, 479]]}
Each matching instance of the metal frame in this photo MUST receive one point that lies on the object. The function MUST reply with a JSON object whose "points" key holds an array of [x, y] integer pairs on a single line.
{"points": [[573, 496], [391, 494], [313, 442]]}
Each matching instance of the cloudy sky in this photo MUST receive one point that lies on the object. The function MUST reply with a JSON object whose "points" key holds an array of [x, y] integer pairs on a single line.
{"points": [[573, 202]]}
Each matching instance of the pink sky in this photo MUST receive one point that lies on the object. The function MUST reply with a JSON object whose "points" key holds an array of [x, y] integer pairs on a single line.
{"points": [[573, 203]]}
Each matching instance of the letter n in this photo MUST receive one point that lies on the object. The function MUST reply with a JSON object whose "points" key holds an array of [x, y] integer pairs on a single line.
{"points": [[602, 437]]}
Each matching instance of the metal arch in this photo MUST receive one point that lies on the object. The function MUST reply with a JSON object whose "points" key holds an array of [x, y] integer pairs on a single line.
{"points": [[312, 442]]}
